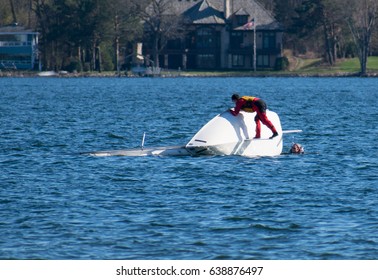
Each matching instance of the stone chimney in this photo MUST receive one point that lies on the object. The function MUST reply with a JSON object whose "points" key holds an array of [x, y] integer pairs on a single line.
{"points": [[227, 8]]}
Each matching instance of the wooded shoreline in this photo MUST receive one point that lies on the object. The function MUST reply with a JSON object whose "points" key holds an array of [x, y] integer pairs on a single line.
{"points": [[187, 74]]}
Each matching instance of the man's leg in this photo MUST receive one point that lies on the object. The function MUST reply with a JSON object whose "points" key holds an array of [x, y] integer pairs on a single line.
{"points": [[258, 126], [264, 119]]}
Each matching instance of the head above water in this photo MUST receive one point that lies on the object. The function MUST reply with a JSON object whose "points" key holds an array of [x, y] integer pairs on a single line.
{"points": [[296, 149]]}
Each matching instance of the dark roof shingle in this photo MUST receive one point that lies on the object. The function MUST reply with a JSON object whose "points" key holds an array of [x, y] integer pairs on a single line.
{"points": [[212, 12], [15, 29]]}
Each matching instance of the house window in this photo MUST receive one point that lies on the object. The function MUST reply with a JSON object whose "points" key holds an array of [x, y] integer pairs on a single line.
{"points": [[174, 44], [15, 59], [263, 60], [236, 39], [190, 41], [206, 61], [237, 60], [241, 20], [269, 40], [206, 39]]}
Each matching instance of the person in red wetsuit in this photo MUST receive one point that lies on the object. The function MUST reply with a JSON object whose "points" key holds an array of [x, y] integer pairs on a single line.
{"points": [[253, 104]]}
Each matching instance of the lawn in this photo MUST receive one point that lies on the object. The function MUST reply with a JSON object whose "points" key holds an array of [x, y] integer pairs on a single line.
{"points": [[352, 65], [300, 66]]}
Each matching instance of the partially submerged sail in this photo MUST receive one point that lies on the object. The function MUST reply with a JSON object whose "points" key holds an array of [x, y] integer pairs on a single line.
{"points": [[139, 152]]}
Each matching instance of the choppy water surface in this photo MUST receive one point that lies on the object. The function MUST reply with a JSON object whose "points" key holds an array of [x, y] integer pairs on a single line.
{"points": [[56, 203]]}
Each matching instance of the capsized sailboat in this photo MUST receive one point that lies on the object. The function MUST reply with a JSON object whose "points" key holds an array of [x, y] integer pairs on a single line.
{"points": [[233, 135], [224, 135]]}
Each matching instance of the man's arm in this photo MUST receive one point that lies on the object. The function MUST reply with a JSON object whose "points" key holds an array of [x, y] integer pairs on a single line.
{"points": [[238, 106]]}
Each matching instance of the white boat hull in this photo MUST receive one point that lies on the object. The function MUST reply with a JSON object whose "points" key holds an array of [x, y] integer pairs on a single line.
{"points": [[47, 74], [139, 152], [226, 134]]}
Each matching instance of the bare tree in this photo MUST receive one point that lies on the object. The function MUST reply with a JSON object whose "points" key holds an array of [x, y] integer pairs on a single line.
{"points": [[125, 25], [17, 12], [161, 24], [361, 20], [332, 28], [13, 11], [320, 21]]}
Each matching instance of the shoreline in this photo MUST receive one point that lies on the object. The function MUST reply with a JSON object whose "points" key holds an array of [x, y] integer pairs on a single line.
{"points": [[184, 74]]}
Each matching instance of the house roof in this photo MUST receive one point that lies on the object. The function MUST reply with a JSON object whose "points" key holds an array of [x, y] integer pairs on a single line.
{"points": [[212, 12], [204, 12], [241, 12], [15, 29]]}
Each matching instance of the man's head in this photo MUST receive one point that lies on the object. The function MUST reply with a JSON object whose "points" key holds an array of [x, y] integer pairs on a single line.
{"points": [[235, 97], [296, 149]]}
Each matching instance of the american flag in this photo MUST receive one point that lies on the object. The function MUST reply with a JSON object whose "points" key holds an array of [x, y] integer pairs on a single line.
{"points": [[249, 24]]}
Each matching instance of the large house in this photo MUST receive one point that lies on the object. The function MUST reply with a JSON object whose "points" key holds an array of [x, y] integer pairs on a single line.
{"points": [[18, 48], [222, 34]]}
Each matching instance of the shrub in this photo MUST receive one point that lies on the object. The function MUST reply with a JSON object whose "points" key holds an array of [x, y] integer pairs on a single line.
{"points": [[282, 63], [74, 65]]}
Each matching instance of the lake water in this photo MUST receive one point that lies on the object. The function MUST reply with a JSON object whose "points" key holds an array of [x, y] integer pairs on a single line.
{"points": [[56, 203]]}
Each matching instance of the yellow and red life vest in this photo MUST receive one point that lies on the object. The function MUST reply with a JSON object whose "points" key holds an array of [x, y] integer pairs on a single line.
{"points": [[248, 104]]}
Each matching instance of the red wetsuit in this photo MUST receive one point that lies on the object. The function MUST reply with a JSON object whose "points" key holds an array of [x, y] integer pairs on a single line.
{"points": [[254, 104]]}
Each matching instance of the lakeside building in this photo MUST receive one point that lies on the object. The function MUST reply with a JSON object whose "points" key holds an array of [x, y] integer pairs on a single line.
{"points": [[18, 48], [220, 34]]}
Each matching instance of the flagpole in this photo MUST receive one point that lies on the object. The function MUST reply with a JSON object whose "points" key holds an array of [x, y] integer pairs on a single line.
{"points": [[254, 45]]}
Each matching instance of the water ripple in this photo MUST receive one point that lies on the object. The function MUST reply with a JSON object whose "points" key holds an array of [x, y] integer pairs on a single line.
{"points": [[58, 204]]}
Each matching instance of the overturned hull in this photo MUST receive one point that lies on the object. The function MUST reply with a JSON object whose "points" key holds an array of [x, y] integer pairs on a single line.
{"points": [[226, 134], [140, 152]]}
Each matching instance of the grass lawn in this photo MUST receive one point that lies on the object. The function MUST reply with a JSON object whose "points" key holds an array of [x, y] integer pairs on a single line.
{"points": [[352, 65], [373, 63], [300, 66]]}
